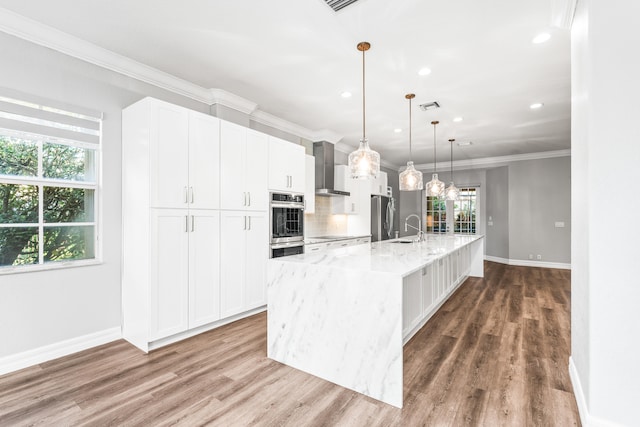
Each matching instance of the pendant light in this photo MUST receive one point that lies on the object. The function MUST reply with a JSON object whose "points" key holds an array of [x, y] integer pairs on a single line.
{"points": [[364, 163], [435, 187], [452, 192], [410, 178]]}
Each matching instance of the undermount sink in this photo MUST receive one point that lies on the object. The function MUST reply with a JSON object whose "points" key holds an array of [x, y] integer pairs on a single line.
{"points": [[402, 241]]}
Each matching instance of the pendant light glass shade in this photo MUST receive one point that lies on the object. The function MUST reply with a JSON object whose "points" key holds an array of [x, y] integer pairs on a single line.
{"points": [[452, 192], [410, 178], [364, 163], [435, 187]]}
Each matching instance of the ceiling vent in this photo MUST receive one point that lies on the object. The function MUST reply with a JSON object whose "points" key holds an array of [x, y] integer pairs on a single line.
{"points": [[429, 106], [336, 5]]}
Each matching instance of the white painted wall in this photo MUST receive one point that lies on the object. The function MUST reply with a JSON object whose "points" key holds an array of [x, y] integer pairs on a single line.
{"points": [[606, 154]]}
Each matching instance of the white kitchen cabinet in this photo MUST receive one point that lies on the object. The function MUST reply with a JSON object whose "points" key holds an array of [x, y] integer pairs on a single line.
{"points": [[184, 271], [379, 184], [171, 237], [243, 168], [204, 267], [411, 301], [183, 156], [310, 184], [343, 181], [244, 237], [169, 273], [323, 246], [286, 166]]}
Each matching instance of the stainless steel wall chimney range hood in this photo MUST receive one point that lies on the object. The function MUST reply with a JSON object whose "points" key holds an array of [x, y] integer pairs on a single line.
{"points": [[323, 152]]}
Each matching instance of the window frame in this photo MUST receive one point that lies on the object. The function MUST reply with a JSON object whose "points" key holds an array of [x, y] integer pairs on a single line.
{"points": [[449, 210], [42, 182]]}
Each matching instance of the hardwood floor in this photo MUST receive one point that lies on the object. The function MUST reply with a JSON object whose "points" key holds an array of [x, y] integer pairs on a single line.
{"points": [[495, 354]]}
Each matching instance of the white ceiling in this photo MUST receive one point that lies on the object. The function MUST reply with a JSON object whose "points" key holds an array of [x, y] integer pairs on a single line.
{"points": [[295, 57]]}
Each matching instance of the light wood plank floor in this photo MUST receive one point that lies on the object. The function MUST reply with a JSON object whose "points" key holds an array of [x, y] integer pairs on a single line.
{"points": [[495, 354]]}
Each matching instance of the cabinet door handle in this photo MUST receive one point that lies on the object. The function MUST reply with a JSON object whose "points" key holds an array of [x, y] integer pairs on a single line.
{"points": [[244, 198], [193, 223], [249, 198], [186, 195], [186, 223], [245, 223], [191, 191], [249, 222]]}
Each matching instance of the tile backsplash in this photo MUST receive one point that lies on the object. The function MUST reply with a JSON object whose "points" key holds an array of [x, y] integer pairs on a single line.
{"points": [[323, 222]]}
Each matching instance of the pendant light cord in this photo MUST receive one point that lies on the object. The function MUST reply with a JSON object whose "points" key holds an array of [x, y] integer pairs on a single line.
{"points": [[410, 152], [451, 141], [364, 137], [435, 162]]}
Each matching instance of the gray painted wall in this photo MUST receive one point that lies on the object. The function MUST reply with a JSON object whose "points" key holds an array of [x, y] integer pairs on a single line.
{"points": [[540, 195], [497, 211], [524, 199]]}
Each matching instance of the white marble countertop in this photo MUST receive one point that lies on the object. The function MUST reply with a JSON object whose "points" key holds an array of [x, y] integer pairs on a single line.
{"points": [[326, 239], [387, 256]]}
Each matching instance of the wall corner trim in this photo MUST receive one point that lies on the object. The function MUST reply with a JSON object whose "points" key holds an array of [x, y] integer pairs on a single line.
{"points": [[45, 353]]}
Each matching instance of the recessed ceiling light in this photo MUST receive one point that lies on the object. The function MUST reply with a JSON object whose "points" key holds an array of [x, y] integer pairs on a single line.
{"points": [[424, 71], [346, 94], [397, 130], [463, 143], [536, 105], [457, 119], [541, 38]]}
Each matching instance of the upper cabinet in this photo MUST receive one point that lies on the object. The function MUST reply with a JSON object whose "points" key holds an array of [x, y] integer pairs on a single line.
{"points": [[286, 166], [343, 182], [379, 184], [243, 168], [310, 184], [183, 156]]}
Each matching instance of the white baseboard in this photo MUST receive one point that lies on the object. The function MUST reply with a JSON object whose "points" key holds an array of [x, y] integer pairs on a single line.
{"points": [[587, 419], [45, 353], [528, 263]]}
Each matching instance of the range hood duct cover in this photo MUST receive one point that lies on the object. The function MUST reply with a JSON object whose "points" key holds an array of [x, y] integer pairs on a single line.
{"points": [[324, 158]]}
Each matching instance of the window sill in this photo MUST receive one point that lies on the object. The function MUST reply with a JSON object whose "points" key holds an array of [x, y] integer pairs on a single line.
{"points": [[56, 265]]}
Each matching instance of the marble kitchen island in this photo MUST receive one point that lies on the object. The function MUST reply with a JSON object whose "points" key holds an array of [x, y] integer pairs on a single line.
{"points": [[344, 314]]}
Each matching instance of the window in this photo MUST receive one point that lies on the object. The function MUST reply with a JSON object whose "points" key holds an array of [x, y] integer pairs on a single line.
{"points": [[463, 210], [48, 184]]}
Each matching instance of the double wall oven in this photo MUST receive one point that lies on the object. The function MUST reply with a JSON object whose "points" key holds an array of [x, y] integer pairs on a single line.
{"points": [[287, 224]]}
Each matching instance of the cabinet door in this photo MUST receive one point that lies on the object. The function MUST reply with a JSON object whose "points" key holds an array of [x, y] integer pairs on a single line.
{"points": [[233, 263], [169, 287], [169, 156], [279, 165], [411, 301], [204, 161], [233, 194], [427, 289], [310, 184], [257, 171], [343, 181], [257, 254], [297, 168], [204, 267]]}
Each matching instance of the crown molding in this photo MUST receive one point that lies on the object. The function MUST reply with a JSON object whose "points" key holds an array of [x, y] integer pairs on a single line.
{"points": [[287, 126], [228, 99], [488, 162], [44, 35]]}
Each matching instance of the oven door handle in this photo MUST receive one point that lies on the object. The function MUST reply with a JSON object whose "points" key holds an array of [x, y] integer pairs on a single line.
{"points": [[287, 245], [288, 205]]}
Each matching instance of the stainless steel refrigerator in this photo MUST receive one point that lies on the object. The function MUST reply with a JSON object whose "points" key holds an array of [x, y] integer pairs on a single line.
{"points": [[382, 212]]}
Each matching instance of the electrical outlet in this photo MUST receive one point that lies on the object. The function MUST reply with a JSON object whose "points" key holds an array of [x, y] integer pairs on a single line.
{"points": [[539, 257], [530, 256]]}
